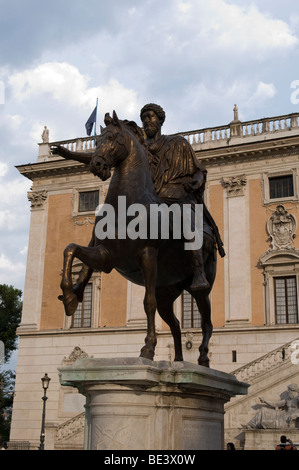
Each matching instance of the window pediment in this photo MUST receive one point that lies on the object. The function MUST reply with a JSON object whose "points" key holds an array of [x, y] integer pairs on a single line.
{"points": [[279, 257]]}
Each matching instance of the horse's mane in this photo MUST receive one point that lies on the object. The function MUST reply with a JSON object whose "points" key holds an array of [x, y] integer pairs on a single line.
{"points": [[137, 131]]}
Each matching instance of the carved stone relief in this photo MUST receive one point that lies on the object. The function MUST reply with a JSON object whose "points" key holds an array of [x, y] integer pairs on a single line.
{"points": [[77, 353], [37, 199], [234, 186], [83, 221], [281, 228]]}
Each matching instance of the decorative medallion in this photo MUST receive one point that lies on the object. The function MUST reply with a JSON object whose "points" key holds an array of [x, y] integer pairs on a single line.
{"points": [[282, 227]]}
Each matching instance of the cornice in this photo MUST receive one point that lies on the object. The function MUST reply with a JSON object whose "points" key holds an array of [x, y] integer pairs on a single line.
{"points": [[52, 168], [249, 151], [240, 152]]}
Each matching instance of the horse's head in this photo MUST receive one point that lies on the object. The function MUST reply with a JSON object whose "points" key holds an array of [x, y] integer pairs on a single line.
{"points": [[113, 146]]}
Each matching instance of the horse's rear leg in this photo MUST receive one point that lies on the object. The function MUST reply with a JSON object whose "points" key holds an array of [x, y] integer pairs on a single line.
{"points": [[149, 269], [94, 258], [165, 299], [204, 307]]}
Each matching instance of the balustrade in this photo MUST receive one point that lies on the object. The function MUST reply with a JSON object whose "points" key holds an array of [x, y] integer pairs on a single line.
{"points": [[210, 136], [264, 363], [248, 129]]}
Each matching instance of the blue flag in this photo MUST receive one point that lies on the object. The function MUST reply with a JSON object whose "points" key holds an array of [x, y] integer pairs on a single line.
{"points": [[91, 121]]}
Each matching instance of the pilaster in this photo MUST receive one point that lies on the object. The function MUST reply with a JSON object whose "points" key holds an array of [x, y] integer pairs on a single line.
{"points": [[35, 261]]}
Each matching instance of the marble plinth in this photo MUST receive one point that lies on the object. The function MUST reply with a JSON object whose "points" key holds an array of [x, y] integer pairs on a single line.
{"points": [[138, 404]]}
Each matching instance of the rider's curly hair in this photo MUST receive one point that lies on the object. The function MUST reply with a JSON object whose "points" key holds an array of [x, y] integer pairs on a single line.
{"points": [[157, 109]]}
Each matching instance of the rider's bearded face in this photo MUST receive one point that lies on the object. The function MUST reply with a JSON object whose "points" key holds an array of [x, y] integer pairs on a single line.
{"points": [[151, 123]]}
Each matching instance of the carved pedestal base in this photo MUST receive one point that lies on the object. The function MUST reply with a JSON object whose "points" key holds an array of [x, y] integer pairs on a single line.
{"points": [[137, 404]]}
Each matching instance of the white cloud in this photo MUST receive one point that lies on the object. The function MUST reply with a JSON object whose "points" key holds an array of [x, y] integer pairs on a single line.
{"points": [[247, 28], [12, 191], [11, 121], [3, 169], [227, 28], [58, 95], [214, 102], [24, 251], [263, 92], [11, 273], [7, 264], [62, 80], [184, 7], [66, 84], [9, 220]]}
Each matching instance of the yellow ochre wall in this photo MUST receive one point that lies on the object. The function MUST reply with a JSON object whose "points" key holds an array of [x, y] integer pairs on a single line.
{"points": [[60, 232]]}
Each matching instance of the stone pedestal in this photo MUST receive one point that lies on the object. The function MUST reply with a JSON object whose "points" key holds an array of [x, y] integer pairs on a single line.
{"points": [[137, 404]]}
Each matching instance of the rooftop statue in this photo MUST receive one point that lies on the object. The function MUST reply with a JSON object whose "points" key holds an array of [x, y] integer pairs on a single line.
{"points": [[150, 169]]}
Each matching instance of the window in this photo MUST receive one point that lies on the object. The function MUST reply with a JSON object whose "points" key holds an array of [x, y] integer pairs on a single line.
{"points": [[286, 305], [191, 316], [281, 186], [82, 316], [88, 201]]}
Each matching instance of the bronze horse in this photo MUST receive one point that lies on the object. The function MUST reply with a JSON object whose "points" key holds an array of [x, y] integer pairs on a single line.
{"points": [[162, 266]]}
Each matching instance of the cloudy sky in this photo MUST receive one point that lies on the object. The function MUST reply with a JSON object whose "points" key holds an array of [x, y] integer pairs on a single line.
{"points": [[196, 58]]}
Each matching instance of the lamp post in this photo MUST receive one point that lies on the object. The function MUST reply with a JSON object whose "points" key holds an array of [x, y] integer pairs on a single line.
{"points": [[45, 384]]}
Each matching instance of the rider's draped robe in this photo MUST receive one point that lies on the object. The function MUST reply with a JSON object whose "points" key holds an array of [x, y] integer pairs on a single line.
{"points": [[172, 163]]}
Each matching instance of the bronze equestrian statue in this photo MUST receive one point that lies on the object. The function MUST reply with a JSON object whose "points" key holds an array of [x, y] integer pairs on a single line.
{"points": [[147, 171]]}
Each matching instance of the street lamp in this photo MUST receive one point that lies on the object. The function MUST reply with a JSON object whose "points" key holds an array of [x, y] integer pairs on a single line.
{"points": [[45, 384]]}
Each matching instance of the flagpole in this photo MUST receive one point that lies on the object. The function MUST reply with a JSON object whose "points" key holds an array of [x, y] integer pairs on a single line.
{"points": [[95, 123]]}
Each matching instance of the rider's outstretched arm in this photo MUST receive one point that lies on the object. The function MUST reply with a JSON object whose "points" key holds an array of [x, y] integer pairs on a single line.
{"points": [[82, 157]]}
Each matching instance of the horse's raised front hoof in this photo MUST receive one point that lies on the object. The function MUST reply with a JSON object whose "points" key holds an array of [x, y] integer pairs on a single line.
{"points": [[70, 304]]}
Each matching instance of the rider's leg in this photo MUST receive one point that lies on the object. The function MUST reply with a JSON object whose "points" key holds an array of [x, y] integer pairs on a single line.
{"points": [[199, 278]]}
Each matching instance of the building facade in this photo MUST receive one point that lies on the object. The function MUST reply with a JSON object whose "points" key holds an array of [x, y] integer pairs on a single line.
{"points": [[252, 192]]}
